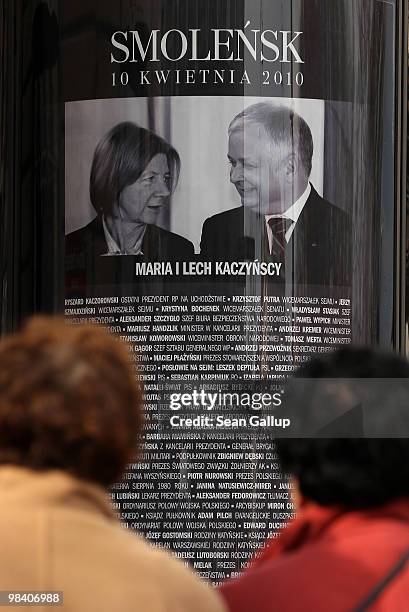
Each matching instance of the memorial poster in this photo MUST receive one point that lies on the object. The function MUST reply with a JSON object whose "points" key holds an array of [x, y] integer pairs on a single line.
{"points": [[228, 185]]}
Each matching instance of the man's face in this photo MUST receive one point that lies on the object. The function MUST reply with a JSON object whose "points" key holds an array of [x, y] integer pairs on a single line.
{"points": [[257, 169]]}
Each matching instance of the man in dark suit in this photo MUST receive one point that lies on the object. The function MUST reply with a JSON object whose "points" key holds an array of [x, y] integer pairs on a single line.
{"points": [[282, 217]]}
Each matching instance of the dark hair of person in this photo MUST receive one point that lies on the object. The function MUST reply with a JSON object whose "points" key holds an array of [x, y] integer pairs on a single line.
{"points": [[119, 160], [69, 400], [350, 472], [283, 126]]}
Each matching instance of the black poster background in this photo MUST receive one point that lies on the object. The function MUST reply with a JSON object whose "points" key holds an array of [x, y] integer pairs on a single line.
{"points": [[61, 54]]}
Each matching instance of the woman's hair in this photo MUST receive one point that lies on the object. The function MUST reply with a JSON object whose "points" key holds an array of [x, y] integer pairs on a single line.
{"points": [[119, 160], [69, 400], [350, 470]]}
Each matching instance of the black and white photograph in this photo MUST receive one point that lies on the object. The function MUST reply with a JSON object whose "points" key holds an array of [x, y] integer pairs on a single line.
{"points": [[221, 179]]}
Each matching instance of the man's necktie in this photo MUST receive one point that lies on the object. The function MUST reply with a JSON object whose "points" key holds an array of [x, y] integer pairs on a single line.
{"points": [[279, 227]]}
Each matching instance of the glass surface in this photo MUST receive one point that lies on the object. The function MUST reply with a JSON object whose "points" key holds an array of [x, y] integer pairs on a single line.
{"points": [[276, 243]]}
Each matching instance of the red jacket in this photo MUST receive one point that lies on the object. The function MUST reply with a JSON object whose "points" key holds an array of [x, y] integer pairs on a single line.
{"points": [[328, 560]]}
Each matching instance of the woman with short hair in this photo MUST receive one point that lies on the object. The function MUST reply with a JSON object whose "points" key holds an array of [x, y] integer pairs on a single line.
{"points": [[347, 452], [133, 173], [70, 421]]}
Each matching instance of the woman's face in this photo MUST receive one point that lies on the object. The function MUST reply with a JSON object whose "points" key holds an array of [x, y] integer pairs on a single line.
{"points": [[142, 200]]}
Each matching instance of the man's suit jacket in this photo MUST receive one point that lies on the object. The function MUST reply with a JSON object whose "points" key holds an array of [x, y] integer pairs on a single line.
{"points": [[85, 249], [318, 252]]}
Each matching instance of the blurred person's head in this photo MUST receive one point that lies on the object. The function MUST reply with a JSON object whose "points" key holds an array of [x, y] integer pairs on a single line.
{"points": [[68, 400], [348, 469]]}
